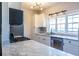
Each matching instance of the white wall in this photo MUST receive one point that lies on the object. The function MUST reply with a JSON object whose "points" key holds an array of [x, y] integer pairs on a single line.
{"points": [[5, 24], [28, 22], [28, 19], [16, 5]]}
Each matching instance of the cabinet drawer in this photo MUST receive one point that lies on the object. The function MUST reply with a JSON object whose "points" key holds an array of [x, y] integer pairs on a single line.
{"points": [[71, 49], [42, 39], [45, 40], [72, 42], [36, 38]]}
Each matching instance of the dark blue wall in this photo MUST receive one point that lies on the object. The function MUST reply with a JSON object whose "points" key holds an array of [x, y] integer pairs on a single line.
{"points": [[15, 16]]}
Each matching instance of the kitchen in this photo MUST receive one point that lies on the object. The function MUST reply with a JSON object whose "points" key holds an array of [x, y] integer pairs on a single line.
{"points": [[60, 33], [55, 26]]}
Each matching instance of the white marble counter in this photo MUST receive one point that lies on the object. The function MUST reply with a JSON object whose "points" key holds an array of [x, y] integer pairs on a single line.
{"points": [[60, 36], [31, 48]]}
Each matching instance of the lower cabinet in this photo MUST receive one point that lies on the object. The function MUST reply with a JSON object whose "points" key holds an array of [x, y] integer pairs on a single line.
{"points": [[36, 37], [70, 47], [45, 40], [42, 39]]}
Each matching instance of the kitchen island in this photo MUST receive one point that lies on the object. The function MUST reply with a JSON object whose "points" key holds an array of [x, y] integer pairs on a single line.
{"points": [[31, 48]]}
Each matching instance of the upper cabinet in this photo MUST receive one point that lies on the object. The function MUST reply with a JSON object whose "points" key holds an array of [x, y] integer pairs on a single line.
{"points": [[40, 20]]}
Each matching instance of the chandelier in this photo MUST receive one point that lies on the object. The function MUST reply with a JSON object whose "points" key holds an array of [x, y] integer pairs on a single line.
{"points": [[37, 6]]}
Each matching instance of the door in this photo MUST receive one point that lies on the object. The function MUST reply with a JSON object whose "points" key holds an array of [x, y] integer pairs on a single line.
{"points": [[0, 28]]}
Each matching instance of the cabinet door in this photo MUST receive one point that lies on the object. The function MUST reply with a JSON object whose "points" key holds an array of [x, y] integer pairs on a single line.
{"points": [[45, 40], [40, 20], [71, 49], [36, 38], [72, 42], [42, 39]]}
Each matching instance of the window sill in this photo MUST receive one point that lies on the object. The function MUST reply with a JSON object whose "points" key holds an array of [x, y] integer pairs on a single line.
{"points": [[65, 37], [65, 33]]}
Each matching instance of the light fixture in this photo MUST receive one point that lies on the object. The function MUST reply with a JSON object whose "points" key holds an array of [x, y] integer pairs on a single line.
{"points": [[61, 12], [41, 8], [37, 5]]}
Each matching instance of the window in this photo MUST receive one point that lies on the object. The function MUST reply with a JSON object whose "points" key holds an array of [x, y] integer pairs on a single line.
{"points": [[73, 22], [62, 23], [52, 24]]}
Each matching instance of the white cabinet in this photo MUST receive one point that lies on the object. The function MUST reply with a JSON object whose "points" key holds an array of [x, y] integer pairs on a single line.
{"points": [[36, 37], [72, 42], [40, 20], [71, 49], [42, 39], [71, 46]]}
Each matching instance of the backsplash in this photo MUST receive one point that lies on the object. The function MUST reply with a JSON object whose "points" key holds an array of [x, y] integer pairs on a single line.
{"points": [[41, 30], [17, 30]]}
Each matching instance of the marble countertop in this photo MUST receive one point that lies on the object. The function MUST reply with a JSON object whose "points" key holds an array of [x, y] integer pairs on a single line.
{"points": [[60, 36], [31, 48]]}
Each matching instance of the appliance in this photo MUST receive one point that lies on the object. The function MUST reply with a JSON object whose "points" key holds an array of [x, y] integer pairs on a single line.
{"points": [[57, 43]]}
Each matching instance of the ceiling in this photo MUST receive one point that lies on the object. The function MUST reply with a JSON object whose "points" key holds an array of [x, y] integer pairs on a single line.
{"points": [[42, 5]]}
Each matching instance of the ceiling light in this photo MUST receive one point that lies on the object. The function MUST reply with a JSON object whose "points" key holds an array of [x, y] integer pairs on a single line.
{"points": [[41, 8], [37, 6], [31, 7]]}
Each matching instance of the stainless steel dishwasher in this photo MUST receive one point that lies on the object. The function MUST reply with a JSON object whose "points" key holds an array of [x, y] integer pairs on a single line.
{"points": [[57, 43]]}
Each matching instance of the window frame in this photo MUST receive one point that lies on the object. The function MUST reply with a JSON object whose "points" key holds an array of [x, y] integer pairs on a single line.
{"points": [[73, 22], [66, 15]]}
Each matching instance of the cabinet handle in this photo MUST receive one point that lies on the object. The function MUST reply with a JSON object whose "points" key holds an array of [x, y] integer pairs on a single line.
{"points": [[69, 41], [43, 39]]}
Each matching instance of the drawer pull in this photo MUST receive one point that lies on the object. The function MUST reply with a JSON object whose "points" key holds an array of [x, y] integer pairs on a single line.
{"points": [[69, 41], [43, 39]]}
